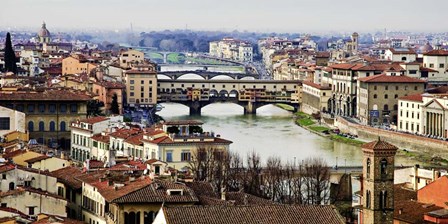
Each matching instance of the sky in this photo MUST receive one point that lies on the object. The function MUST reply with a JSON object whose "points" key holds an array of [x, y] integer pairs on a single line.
{"points": [[227, 15]]}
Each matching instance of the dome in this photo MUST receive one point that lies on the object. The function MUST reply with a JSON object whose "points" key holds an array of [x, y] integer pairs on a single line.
{"points": [[425, 48], [43, 32]]}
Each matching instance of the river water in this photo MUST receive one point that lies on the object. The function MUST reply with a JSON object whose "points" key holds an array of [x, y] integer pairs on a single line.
{"points": [[271, 132]]}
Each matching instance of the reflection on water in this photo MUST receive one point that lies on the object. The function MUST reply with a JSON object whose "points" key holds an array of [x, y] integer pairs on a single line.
{"points": [[271, 132]]}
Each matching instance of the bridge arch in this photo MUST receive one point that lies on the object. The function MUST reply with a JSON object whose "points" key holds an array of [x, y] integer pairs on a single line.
{"points": [[222, 77], [190, 76], [223, 93], [213, 93], [233, 94], [248, 78], [163, 76]]}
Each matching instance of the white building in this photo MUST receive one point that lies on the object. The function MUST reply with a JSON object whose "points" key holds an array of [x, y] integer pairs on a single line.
{"points": [[11, 120], [437, 60], [410, 114], [232, 49], [81, 133], [401, 54]]}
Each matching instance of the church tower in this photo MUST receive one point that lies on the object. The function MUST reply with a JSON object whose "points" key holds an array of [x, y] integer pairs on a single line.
{"points": [[378, 182], [355, 40]]}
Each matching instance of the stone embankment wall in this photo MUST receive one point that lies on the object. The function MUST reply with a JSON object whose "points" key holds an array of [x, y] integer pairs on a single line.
{"points": [[401, 140]]}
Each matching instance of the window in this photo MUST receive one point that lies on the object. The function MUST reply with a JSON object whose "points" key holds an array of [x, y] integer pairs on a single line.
{"points": [[30, 126], [431, 65], [63, 108], [383, 200], [52, 126], [142, 82], [185, 156], [386, 96], [30, 210], [396, 107], [41, 126], [405, 87], [11, 186], [374, 87], [62, 126], [61, 191], [52, 108], [396, 96], [396, 87], [441, 66], [374, 96], [368, 168], [4, 123], [131, 93], [4, 176], [131, 81], [386, 107], [41, 108], [368, 199], [386, 88], [169, 156], [31, 108], [74, 108], [415, 87], [383, 167], [132, 87], [4, 205]]}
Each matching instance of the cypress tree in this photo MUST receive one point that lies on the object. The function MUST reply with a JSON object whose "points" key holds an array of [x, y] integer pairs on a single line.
{"points": [[10, 56], [115, 109]]}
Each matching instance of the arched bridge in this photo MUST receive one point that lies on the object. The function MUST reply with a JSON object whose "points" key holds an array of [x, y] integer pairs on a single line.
{"points": [[250, 94], [174, 75]]}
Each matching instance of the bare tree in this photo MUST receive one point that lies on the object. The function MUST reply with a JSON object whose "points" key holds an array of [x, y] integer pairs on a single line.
{"points": [[316, 175]]}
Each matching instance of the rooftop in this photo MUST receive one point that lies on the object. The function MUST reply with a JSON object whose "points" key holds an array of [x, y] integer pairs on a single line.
{"points": [[383, 78], [44, 95], [379, 145], [67, 175], [414, 97]]}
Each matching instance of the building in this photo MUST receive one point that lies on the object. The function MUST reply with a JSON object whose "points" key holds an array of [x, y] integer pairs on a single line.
{"points": [[11, 120], [315, 97], [131, 57], [44, 35], [378, 182], [232, 49], [264, 214], [416, 177], [48, 111], [82, 132], [410, 114], [437, 60], [378, 96], [106, 91], [78, 63], [70, 188], [141, 86], [401, 54], [434, 115]]}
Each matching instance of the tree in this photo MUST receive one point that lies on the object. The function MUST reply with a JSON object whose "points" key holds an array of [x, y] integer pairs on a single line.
{"points": [[10, 56], [114, 108], [93, 108]]}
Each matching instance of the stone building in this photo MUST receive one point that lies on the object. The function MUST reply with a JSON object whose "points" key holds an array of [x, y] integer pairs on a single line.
{"points": [[378, 182], [315, 97], [141, 86], [48, 111], [131, 57], [378, 97]]}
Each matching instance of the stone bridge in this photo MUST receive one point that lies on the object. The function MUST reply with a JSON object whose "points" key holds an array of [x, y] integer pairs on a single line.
{"points": [[174, 75], [250, 94]]}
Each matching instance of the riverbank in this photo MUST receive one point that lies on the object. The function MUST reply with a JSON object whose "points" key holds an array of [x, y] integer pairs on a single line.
{"points": [[313, 125]]}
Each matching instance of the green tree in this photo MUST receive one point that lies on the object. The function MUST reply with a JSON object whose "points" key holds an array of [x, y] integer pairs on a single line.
{"points": [[10, 56], [114, 108]]}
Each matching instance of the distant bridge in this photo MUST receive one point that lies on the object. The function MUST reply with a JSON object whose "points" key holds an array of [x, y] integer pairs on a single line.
{"points": [[174, 75], [250, 94]]}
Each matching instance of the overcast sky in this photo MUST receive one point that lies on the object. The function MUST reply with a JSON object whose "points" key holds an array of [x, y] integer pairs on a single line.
{"points": [[251, 15]]}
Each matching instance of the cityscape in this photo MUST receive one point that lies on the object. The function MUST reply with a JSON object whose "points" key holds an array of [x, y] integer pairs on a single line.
{"points": [[190, 112]]}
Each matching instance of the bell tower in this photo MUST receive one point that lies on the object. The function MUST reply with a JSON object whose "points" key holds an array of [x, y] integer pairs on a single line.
{"points": [[378, 182]]}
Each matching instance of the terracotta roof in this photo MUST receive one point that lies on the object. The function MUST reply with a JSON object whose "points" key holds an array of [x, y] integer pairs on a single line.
{"points": [[111, 85], [157, 192], [110, 193], [46, 95], [383, 78], [6, 167], [57, 220], [135, 140], [344, 66], [415, 97], [125, 133], [436, 53], [67, 176], [101, 138], [13, 154], [169, 141], [134, 165], [440, 89], [95, 164], [423, 69], [37, 159], [94, 120], [402, 50], [13, 210], [379, 145], [315, 85], [310, 214]]}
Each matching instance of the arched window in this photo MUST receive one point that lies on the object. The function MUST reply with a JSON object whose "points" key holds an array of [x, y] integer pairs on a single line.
{"points": [[386, 96], [52, 126], [62, 128], [368, 168], [41, 126], [383, 167], [403, 58], [30, 126], [383, 200], [386, 107], [396, 107], [11, 186], [374, 96]]}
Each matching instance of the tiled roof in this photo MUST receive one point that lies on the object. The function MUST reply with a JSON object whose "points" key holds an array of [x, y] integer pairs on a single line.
{"points": [[129, 166], [46, 95], [423, 69], [140, 72], [37, 159], [101, 138], [402, 51], [379, 145], [110, 193], [344, 66], [13, 154], [414, 97], [135, 140], [13, 210], [95, 164], [383, 78], [57, 220], [169, 141], [67, 175], [157, 192], [125, 133], [286, 214], [93, 120], [436, 53], [111, 85], [22, 190], [315, 85]]}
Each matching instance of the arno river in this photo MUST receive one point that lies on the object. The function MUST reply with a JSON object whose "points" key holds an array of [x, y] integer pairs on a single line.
{"points": [[271, 132]]}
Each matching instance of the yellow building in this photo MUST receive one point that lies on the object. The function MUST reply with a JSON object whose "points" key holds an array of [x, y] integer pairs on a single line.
{"points": [[48, 111], [78, 63], [141, 86], [131, 57]]}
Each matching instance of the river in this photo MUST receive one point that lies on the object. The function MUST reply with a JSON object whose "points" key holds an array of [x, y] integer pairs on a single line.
{"points": [[271, 132]]}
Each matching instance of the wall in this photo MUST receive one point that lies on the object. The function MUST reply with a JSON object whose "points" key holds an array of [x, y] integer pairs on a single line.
{"points": [[401, 140], [41, 203], [16, 120]]}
